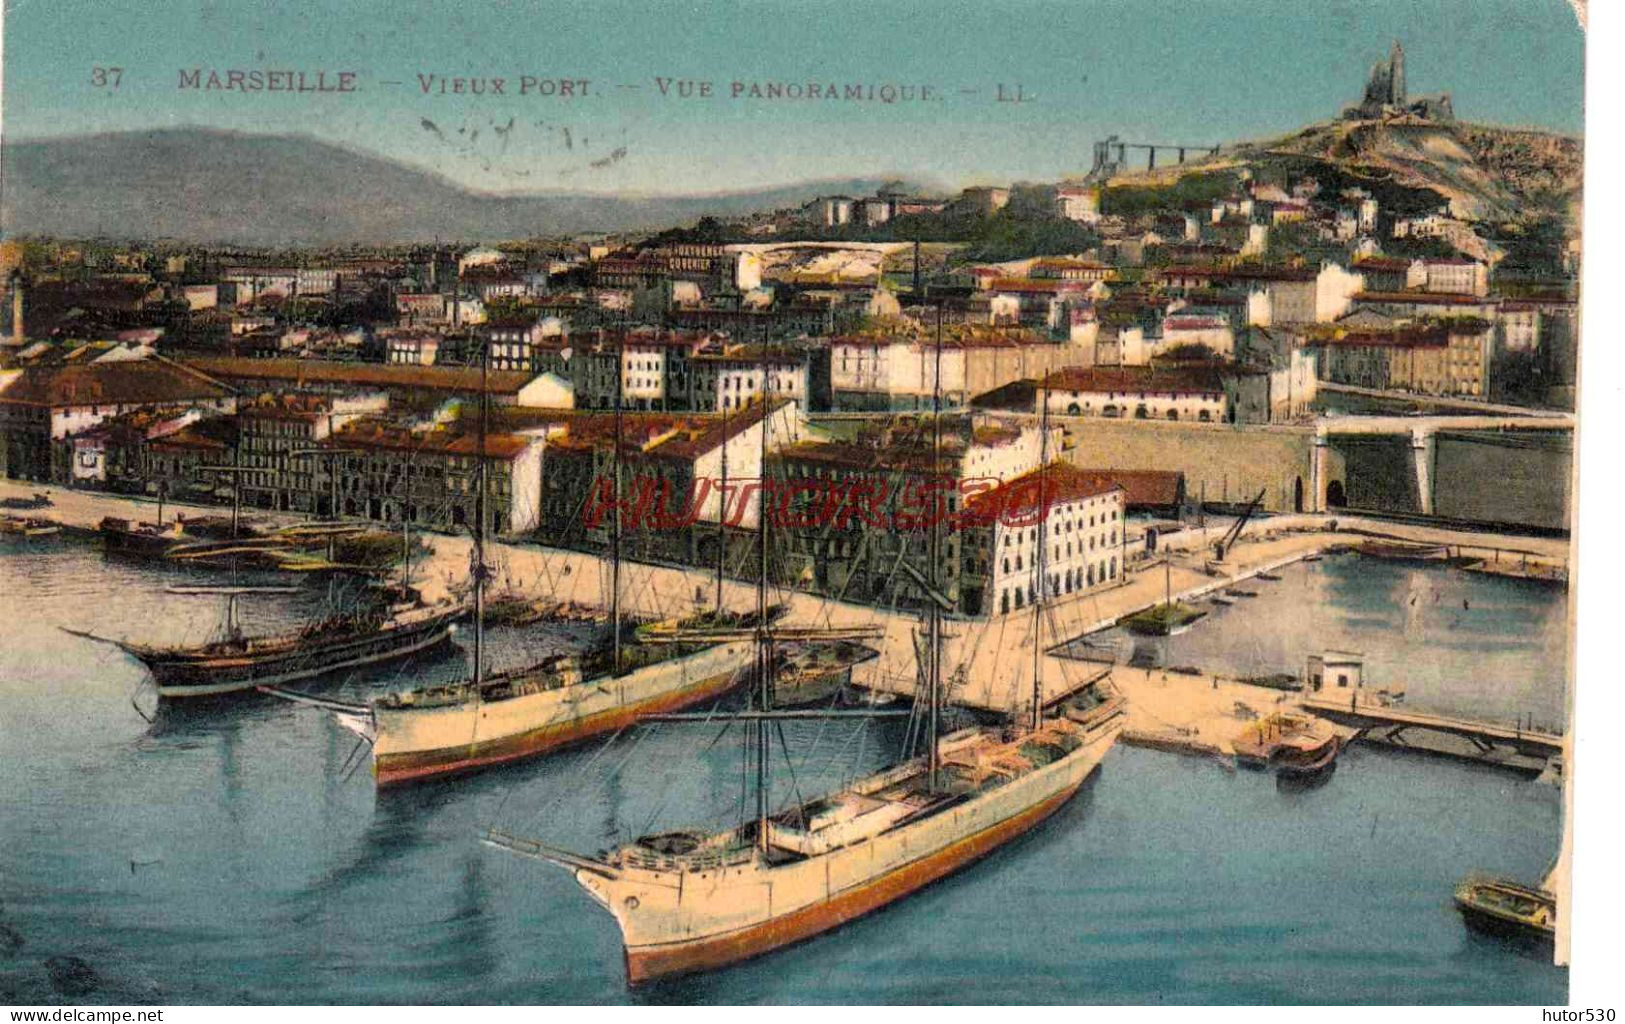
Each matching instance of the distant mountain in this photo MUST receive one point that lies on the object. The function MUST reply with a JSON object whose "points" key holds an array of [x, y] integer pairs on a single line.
{"points": [[205, 185]]}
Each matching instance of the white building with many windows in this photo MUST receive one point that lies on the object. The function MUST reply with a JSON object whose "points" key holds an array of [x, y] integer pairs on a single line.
{"points": [[1140, 393], [1077, 517]]}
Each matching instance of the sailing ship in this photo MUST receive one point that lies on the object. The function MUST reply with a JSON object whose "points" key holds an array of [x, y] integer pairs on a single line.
{"points": [[233, 662], [690, 901], [492, 719], [394, 625]]}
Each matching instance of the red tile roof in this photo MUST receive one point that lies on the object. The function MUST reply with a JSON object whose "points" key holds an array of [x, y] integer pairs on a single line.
{"points": [[680, 436], [1242, 273], [1183, 380], [1423, 298], [1410, 336], [373, 434], [305, 372], [1381, 264], [204, 436], [1146, 486], [130, 382], [1023, 284], [1057, 482]]}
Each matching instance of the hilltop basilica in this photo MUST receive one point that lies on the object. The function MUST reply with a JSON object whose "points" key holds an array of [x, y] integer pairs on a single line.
{"points": [[1385, 94]]}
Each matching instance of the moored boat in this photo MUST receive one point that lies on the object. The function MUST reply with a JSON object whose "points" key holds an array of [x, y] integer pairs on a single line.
{"points": [[489, 719], [688, 902], [142, 540], [815, 673], [434, 731], [1507, 909], [1288, 744], [1163, 620], [235, 663], [1170, 618], [40, 499], [1401, 551], [27, 528]]}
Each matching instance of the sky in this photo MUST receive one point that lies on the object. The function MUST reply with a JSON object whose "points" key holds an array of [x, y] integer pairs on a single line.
{"points": [[1156, 70]]}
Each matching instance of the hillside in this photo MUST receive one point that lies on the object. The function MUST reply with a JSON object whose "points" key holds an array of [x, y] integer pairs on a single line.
{"points": [[1486, 173], [208, 186]]}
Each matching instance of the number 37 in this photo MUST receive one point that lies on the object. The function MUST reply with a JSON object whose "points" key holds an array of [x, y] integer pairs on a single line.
{"points": [[106, 78]]}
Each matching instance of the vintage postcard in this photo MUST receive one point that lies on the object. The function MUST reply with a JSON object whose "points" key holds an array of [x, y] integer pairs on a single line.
{"points": [[1020, 502]]}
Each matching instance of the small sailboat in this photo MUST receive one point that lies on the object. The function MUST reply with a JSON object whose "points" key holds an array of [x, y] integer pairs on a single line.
{"points": [[688, 901]]}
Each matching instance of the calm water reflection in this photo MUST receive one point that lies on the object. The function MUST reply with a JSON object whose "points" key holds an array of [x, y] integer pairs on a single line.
{"points": [[1454, 641], [227, 854]]}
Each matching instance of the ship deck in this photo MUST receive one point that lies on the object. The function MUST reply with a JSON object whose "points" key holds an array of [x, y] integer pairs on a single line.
{"points": [[972, 762]]}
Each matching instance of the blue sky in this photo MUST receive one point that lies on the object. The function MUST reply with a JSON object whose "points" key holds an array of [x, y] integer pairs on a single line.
{"points": [[1178, 71]]}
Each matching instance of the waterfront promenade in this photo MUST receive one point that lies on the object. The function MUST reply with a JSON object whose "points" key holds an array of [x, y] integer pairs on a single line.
{"points": [[989, 661]]}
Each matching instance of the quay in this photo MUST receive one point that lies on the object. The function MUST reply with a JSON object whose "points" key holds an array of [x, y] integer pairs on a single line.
{"points": [[1195, 714], [981, 672], [1520, 747], [1202, 714]]}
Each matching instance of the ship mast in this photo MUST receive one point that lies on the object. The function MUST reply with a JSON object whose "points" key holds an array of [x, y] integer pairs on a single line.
{"points": [[615, 527], [479, 528], [722, 510], [764, 642], [934, 655], [1037, 719]]}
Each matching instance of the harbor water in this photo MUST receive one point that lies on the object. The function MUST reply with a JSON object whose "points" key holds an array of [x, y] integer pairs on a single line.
{"points": [[234, 853]]}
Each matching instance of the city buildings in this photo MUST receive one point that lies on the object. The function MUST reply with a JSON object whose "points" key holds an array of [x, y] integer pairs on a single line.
{"points": [[40, 405]]}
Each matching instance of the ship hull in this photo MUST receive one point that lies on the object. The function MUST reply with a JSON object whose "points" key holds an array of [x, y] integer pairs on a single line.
{"points": [[817, 689], [412, 745], [1502, 927], [674, 923], [653, 964], [136, 545], [212, 677]]}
